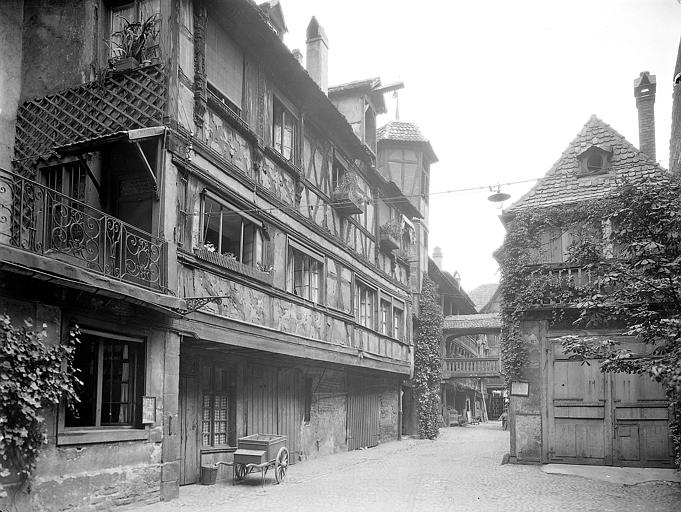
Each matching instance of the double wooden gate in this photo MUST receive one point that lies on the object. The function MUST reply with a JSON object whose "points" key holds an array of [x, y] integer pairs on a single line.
{"points": [[363, 415], [604, 419]]}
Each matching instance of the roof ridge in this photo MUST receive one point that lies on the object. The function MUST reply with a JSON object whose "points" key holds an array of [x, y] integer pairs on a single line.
{"points": [[579, 144]]}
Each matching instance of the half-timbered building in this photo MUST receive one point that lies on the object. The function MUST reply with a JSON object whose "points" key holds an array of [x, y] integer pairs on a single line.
{"points": [[216, 221]]}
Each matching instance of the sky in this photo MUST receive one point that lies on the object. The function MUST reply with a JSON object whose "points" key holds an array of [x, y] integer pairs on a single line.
{"points": [[500, 88]]}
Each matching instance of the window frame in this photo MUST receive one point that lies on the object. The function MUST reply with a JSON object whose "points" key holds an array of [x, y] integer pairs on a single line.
{"points": [[99, 433], [286, 111], [293, 245], [227, 389], [361, 317], [226, 205]]}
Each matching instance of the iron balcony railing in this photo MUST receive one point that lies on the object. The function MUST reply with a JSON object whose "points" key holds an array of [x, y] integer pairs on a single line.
{"points": [[43, 221], [470, 367]]}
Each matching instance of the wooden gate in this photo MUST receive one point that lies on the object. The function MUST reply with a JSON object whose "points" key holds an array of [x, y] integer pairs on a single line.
{"points": [[605, 419], [275, 403], [189, 441], [363, 416]]}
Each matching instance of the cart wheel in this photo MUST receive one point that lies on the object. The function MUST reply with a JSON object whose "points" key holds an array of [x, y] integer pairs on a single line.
{"points": [[240, 471], [281, 464]]}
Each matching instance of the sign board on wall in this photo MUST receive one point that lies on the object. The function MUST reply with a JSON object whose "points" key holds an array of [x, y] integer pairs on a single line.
{"points": [[520, 388], [148, 409]]}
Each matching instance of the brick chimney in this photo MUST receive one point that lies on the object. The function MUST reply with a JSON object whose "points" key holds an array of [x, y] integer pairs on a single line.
{"points": [[317, 58], [437, 257], [298, 55], [644, 91]]}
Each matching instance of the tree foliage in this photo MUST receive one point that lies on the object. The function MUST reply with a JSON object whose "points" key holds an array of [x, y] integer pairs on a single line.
{"points": [[629, 244], [427, 362], [33, 375]]}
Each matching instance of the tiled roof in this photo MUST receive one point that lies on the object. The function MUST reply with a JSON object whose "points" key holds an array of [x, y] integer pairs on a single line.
{"points": [[403, 131], [368, 83], [470, 322], [563, 183]]}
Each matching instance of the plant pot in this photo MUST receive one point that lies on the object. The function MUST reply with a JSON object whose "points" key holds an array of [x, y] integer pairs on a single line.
{"points": [[123, 63], [208, 475]]}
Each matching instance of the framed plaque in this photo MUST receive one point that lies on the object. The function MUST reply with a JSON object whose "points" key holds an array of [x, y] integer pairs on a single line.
{"points": [[519, 388]]}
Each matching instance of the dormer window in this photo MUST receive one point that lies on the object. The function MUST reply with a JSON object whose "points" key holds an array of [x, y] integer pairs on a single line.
{"points": [[594, 160]]}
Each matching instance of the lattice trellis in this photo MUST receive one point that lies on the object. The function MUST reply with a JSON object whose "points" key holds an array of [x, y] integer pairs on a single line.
{"points": [[124, 101]]}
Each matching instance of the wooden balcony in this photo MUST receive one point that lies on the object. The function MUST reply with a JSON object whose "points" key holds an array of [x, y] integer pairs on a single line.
{"points": [[121, 101], [39, 220], [470, 367], [562, 284]]}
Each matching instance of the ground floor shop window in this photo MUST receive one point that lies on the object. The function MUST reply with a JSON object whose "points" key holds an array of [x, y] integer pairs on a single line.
{"points": [[218, 425], [111, 368]]}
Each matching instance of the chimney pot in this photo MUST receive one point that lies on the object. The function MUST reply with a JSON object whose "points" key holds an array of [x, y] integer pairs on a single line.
{"points": [[298, 55], [645, 87], [317, 55], [437, 257]]}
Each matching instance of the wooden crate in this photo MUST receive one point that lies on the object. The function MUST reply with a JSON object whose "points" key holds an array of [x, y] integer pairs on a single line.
{"points": [[268, 443]]}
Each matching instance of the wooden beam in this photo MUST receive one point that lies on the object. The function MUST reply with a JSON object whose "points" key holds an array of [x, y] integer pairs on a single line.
{"points": [[141, 154]]}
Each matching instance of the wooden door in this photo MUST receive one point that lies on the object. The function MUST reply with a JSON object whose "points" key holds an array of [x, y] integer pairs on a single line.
{"points": [[262, 400], [189, 436], [579, 415], [363, 417], [290, 409], [641, 422]]}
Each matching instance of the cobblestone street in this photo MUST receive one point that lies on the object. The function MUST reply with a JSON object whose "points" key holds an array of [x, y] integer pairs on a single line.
{"points": [[461, 470]]}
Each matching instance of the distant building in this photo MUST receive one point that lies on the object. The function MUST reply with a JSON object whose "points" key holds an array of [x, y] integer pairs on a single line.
{"points": [[565, 411]]}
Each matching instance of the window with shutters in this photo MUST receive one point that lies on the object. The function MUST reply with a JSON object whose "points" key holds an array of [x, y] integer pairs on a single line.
{"points": [[304, 270], [284, 131], [218, 411], [224, 66]]}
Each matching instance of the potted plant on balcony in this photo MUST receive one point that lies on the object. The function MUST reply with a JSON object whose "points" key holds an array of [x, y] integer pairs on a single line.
{"points": [[128, 45], [391, 234], [347, 198]]}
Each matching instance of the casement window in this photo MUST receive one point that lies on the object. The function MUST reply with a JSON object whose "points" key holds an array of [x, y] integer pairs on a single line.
{"points": [[384, 320], [337, 174], [183, 218], [284, 131], [425, 182], [111, 367], [365, 304], [229, 232], [338, 286], [402, 168], [119, 12], [218, 410], [224, 66], [398, 320], [304, 270]]}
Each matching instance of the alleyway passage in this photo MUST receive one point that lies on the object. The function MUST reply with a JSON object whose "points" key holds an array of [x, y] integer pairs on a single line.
{"points": [[461, 470]]}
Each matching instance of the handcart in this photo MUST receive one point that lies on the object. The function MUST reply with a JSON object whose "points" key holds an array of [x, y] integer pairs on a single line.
{"points": [[260, 452]]}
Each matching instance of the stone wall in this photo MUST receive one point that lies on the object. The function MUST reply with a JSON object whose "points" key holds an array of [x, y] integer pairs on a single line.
{"points": [[108, 471], [390, 408], [525, 419]]}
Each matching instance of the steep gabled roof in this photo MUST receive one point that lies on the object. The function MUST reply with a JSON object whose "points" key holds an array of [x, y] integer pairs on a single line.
{"points": [[368, 86], [403, 131], [564, 184]]}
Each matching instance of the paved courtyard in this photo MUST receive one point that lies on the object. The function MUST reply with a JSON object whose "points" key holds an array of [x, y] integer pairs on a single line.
{"points": [[461, 470]]}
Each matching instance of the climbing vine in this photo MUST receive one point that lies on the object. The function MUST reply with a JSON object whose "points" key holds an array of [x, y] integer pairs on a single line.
{"points": [[427, 364], [627, 248], [33, 375]]}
